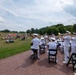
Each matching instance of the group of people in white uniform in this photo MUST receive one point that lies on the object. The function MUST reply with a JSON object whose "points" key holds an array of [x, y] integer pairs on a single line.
{"points": [[66, 42], [68, 45]]}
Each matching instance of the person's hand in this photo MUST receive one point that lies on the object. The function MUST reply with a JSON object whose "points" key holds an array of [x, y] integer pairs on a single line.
{"points": [[31, 44]]}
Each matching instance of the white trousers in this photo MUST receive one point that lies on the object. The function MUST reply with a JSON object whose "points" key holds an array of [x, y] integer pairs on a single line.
{"points": [[73, 49], [66, 53]]}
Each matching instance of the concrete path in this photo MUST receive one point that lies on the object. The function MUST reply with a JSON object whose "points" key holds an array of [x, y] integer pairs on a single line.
{"points": [[20, 64]]}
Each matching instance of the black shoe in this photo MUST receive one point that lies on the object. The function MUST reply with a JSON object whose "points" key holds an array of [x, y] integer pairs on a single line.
{"points": [[31, 56], [38, 58]]}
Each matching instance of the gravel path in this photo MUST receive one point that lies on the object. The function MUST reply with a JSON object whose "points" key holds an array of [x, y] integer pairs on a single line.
{"points": [[20, 64]]}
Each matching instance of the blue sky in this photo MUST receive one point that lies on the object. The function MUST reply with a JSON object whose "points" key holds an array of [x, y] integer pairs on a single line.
{"points": [[20, 15]]}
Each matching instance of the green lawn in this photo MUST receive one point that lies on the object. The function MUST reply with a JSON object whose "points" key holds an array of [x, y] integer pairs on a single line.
{"points": [[9, 49]]}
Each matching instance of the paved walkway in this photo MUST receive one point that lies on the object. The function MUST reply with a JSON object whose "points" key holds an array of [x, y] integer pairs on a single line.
{"points": [[20, 64]]}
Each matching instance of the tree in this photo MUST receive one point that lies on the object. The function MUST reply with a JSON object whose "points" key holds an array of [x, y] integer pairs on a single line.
{"points": [[32, 30], [61, 29], [6, 30], [14, 31], [74, 28], [21, 32], [28, 31], [69, 28], [36, 31], [51, 30], [42, 30], [58, 25]]}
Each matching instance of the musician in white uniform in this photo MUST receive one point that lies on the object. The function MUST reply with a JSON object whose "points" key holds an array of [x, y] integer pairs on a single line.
{"points": [[35, 44], [42, 41], [66, 39], [73, 44], [52, 45]]}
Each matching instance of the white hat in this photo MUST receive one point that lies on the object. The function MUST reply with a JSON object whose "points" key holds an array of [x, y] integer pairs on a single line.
{"points": [[42, 38], [46, 37], [35, 34], [52, 38], [68, 32]]}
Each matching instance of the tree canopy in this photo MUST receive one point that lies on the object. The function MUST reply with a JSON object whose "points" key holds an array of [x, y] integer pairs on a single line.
{"points": [[55, 29]]}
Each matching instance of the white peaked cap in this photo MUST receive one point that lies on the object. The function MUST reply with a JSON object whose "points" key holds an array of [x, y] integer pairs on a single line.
{"points": [[42, 38], [52, 38], [36, 34], [68, 32]]}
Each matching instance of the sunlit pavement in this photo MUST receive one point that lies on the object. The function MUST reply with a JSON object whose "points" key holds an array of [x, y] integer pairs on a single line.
{"points": [[21, 64]]}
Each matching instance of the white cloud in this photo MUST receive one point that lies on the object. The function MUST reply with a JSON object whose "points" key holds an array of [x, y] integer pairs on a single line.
{"points": [[8, 10], [11, 12], [36, 13], [2, 19], [71, 8]]}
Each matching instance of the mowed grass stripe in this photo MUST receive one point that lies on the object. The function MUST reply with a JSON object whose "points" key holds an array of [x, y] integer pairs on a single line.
{"points": [[9, 49]]}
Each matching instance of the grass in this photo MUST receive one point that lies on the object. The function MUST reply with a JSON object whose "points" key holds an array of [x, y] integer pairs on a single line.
{"points": [[9, 49]]}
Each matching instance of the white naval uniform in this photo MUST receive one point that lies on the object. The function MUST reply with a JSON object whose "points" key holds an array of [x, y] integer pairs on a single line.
{"points": [[35, 45], [73, 45], [61, 46], [42, 41], [66, 47], [52, 45]]}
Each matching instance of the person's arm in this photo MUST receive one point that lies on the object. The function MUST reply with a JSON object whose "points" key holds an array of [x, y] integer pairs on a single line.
{"points": [[48, 47], [57, 47], [31, 43]]}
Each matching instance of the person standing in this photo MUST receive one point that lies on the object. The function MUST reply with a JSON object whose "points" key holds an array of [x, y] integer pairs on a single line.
{"points": [[73, 44], [66, 39]]}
